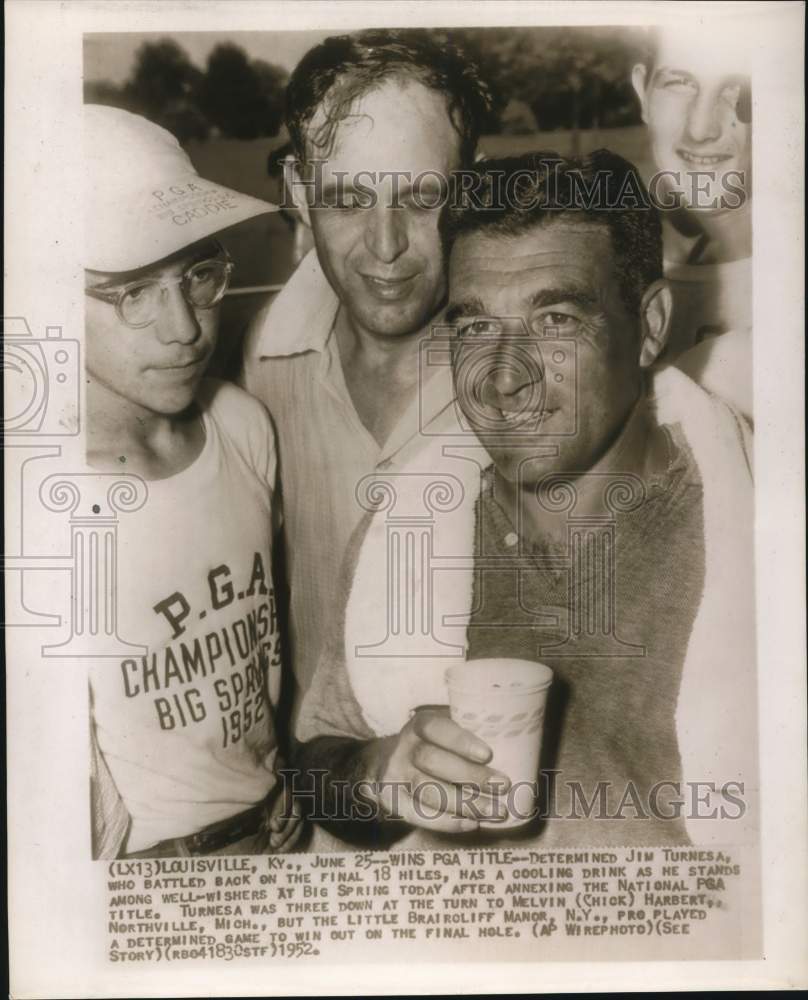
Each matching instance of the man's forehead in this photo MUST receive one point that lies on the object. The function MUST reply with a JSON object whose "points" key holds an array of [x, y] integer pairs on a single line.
{"points": [[705, 53], [571, 245], [396, 122]]}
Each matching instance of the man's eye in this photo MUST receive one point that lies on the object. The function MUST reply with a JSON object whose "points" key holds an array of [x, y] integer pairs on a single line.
{"points": [[548, 322], [422, 202], [349, 202], [137, 294], [478, 327], [203, 274], [679, 84]]}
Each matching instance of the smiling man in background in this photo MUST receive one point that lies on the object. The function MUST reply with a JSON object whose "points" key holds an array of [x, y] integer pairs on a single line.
{"points": [[378, 121], [696, 101]]}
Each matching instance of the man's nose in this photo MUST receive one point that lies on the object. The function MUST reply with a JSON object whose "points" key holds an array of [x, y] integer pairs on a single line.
{"points": [[176, 319], [386, 233], [511, 373], [704, 121]]}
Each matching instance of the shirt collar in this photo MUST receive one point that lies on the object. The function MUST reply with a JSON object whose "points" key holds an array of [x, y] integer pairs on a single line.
{"points": [[642, 449], [302, 315]]}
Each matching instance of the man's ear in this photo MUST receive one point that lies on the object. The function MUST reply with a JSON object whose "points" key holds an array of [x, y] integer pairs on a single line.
{"points": [[639, 81], [296, 188], [656, 310]]}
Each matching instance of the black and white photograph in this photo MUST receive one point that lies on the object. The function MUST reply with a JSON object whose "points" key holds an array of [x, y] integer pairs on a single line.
{"points": [[403, 567]]}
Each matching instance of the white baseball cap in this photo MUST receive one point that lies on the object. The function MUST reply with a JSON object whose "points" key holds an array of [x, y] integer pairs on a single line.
{"points": [[143, 199]]}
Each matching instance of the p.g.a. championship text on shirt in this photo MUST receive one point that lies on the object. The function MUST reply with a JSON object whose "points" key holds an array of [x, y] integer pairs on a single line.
{"points": [[247, 647]]}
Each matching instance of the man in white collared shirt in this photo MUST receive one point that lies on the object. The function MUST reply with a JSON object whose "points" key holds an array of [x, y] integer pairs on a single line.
{"points": [[378, 121]]}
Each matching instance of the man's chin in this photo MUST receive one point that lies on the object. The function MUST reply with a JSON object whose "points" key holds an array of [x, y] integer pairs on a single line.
{"points": [[710, 189], [392, 321], [521, 472], [174, 406], [396, 318]]}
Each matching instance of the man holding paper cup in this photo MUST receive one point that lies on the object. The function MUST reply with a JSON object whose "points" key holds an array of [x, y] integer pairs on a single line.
{"points": [[592, 555]]}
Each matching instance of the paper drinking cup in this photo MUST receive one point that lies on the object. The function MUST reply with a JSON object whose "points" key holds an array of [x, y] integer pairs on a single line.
{"points": [[502, 701]]}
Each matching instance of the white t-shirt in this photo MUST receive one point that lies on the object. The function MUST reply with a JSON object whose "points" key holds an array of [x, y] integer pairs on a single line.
{"points": [[708, 300], [187, 730], [711, 327]]}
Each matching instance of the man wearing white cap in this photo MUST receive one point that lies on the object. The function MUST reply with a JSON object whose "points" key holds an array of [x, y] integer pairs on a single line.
{"points": [[184, 748]]}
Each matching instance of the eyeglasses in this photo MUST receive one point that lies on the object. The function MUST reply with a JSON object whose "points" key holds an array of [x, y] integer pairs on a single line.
{"points": [[138, 302]]}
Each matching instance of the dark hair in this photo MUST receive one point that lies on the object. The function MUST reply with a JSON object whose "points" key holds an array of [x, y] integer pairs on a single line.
{"points": [[345, 67], [508, 197]]}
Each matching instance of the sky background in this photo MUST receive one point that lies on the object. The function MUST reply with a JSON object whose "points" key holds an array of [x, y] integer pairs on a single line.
{"points": [[111, 56]]}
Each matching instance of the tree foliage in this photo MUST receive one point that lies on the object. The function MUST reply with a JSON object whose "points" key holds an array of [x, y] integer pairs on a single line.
{"points": [[235, 96], [570, 78], [557, 77], [163, 75], [242, 98]]}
